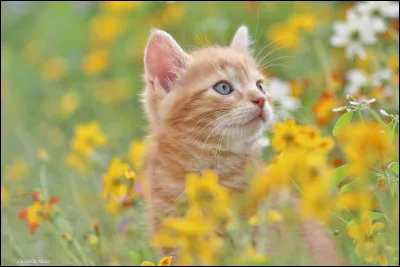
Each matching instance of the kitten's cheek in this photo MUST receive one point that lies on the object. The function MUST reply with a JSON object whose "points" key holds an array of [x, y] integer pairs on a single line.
{"points": [[268, 113]]}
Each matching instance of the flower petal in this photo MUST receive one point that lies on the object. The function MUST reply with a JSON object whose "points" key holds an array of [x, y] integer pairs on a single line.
{"points": [[366, 223], [377, 227], [147, 263], [166, 261], [356, 232]]}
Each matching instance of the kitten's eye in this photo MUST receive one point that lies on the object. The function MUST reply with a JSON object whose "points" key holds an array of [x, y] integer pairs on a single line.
{"points": [[261, 87], [223, 88]]}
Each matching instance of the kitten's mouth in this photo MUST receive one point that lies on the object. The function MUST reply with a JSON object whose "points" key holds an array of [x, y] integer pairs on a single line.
{"points": [[258, 118]]}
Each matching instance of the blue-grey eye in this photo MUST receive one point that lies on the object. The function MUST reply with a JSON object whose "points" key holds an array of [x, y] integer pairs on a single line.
{"points": [[223, 88], [261, 87]]}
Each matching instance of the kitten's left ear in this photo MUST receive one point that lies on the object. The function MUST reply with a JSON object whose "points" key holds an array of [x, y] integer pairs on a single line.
{"points": [[241, 41]]}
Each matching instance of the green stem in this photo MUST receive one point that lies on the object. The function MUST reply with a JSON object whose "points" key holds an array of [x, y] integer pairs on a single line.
{"points": [[360, 115], [70, 254], [379, 120], [43, 181], [375, 61], [76, 244], [319, 48], [393, 128]]}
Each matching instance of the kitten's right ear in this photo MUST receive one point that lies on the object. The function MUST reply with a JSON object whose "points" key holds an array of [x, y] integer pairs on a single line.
{"points": [[164, 60], [241, 41]]}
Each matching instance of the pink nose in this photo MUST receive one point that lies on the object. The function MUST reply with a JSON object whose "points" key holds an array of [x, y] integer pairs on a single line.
{"points": [[259, 101]]}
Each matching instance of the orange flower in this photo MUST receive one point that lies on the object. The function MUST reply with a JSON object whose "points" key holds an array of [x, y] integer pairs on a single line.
{"points": [[323, 109], [37, 212]]}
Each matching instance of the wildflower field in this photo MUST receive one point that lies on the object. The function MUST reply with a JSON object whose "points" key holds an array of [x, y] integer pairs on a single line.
{"points": [[73, 133]]}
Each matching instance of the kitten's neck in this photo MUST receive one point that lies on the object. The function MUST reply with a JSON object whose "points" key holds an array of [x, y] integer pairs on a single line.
{"points": [[177, 155]]}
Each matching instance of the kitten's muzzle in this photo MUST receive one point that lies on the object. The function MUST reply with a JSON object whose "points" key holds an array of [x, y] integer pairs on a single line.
{"points": [[259, 101]]}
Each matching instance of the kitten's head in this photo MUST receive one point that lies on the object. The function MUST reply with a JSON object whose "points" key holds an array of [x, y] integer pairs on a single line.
{"points": [[212, 94]]}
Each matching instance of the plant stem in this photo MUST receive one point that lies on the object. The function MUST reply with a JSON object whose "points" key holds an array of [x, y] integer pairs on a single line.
{"points": [[379, 120], [319, 48], [43, 181], [360, 115]]}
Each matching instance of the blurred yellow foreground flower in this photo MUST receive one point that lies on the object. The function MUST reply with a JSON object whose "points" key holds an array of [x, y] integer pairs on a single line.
{"points": [[166, 261]]}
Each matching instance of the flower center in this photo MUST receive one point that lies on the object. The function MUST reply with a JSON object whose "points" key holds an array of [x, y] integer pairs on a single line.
{"points": [[288, 138], [376, 13], [355, 35]]}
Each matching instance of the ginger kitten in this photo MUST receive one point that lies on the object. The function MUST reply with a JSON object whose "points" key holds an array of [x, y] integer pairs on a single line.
{"points": [[206, 109]]}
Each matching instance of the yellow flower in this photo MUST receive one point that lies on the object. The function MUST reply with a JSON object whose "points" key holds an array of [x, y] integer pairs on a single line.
{"points": [[273, 216], [365, 63], [96, 62], [394, 63], [43, 154], [4, 194], [172, 13], [93, 239], [192, 224], [368, 140], [253, 256], [285, 135], [69, 103], [17, 170], [206, 192], [366, 234], [81, 147], [54, 69], [78, 162], [106, 28], [357, 200], [121, 6], [130, 175], [87, 137], [306, 22], [296, 88], [166, 261], [316, 202], [112, 179], [310, 168], [284, 35], [136, 153], [113, 205], [32, 52], [113, 92]]}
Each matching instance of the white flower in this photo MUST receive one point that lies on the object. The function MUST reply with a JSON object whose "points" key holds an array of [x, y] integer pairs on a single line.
{"points": [[338, 109], [354, 33], [378, 9], [280, 91], [382, 78], [369, 101], [383, 112], [356, 79]]}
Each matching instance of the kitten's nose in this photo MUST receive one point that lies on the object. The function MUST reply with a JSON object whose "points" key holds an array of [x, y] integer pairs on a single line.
{"points": [[259, 101]]}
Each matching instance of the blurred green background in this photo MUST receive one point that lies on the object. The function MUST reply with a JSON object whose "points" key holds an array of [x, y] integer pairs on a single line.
{"points": [[68, 63]]}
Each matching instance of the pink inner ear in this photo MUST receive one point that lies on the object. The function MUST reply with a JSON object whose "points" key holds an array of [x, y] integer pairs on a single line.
{"points": [[163, 59]]}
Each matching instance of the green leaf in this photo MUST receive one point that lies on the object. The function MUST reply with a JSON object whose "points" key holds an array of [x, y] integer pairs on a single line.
{"points": [[393, 189], [350, 224], [395, 167], [340, 175], [342, 122], [346, 187], [374, 215]]}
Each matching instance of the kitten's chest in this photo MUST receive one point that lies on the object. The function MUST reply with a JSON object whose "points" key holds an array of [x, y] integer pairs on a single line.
{"points": [[223, 166]]}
